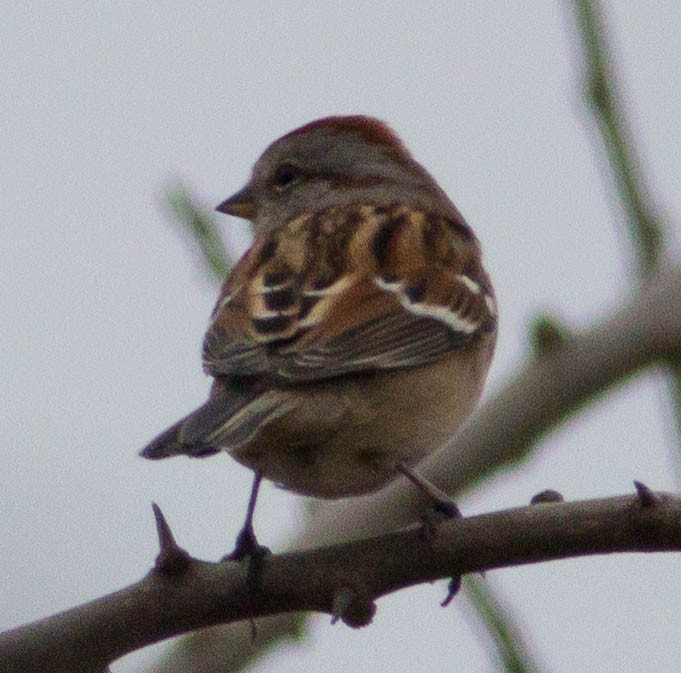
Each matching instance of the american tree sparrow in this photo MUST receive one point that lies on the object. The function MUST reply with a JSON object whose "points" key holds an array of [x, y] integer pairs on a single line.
{"points": [[354, 336]]}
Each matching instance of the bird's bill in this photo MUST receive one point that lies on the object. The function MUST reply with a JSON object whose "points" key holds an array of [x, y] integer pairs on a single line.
{"points": [[241, 204]]}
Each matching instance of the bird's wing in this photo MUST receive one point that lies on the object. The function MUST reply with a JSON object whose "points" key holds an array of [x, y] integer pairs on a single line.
{"points": [[399, 289]]}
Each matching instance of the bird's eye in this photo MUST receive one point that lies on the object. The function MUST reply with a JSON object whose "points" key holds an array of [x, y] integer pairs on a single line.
{"points": [[285, 175]]}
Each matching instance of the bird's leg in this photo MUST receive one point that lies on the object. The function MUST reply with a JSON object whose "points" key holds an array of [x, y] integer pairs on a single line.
{"points": [[443, 506], [246, 543], [247, 546]]}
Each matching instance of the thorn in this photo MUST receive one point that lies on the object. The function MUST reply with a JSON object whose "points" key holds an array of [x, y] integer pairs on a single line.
{"points": [[351, 608], [549, 495], [452, 589], [646, 497], [171, 560]]}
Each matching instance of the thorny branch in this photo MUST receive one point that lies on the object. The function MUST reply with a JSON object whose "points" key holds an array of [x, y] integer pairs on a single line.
{"points": [[343, 580]]}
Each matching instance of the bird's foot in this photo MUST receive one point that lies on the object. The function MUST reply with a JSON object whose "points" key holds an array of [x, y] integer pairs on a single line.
{"points": [[442, 510], [247, 546]]}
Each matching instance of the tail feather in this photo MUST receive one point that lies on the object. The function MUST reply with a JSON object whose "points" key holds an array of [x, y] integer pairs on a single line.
{"points": [[224, 422], [172, 442], [188, 436]]}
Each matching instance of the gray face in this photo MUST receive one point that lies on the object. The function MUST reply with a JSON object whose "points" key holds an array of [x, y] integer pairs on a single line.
{"points": [[323, 167]]}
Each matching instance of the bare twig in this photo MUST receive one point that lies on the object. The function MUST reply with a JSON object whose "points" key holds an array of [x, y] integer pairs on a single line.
{"points": [[603, 95], [200, 225], [171, 559], [605, 101], [511, 646]]}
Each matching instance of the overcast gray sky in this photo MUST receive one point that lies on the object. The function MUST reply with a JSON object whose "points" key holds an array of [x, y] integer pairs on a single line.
{"points": [[104, 308]]}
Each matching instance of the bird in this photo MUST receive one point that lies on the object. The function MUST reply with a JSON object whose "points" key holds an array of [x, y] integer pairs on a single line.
{"points": [[354, 336]]}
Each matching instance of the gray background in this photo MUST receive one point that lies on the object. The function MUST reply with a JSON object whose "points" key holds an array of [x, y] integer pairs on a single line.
{"points": [[103, 307]]}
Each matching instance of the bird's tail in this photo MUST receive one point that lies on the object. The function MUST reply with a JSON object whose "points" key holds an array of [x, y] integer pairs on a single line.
{"points": [[224, 422], [177, 440]]}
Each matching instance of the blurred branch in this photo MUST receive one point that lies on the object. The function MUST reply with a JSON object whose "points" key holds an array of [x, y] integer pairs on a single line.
{"points": [[209, 651], [182, 593], [200, 225], [605, 101], [510, 644]]}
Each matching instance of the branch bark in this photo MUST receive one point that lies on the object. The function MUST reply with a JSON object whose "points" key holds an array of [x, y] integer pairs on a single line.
{"points": [[343, 578]]}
